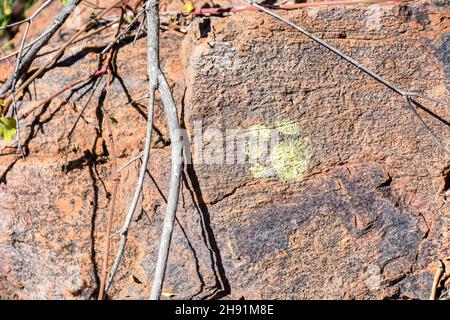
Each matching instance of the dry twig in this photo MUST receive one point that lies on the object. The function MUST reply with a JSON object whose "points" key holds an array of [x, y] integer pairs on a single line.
{"points": [[158, 81], [31, 18], [174, 190], [285, 6], [30, 55], [115, 173], [115, 182], [124, 32], [153, 66], [60, 52], [436, 280]]}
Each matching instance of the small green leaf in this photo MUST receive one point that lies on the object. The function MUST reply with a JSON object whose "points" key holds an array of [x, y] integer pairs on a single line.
{"points": [[7, 128], [188, 7], [7, 8], [128, 19], [113, 121], [65, 2]]}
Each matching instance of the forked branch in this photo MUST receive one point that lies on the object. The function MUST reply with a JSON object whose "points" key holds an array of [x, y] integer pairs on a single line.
{"points": [[152, 70], [30, 55], [158, 81], [174, 191], [58, 54], [406, 95]]}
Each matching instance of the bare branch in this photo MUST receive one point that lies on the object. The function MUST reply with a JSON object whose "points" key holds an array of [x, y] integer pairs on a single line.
{"points": [[60, 52], [138, 189], [30, 19], [124, 32], [138, 99], [138, 32], [436, 280], [129, 162], [14, 80], [89, 34], [413, 107], [115, 177], [152, 70], [40, 104], [174, 191], [421, 96], [29, 57], [156, 81], [12, 54]]}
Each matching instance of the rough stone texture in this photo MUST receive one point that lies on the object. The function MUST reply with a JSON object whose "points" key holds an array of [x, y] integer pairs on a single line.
{"points": [[366, 220]]}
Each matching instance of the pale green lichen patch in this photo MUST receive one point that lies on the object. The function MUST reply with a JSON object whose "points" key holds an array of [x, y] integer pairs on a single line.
{"points": [[291, 159], [288, 127], [259, 132], [258, 136], [254, 150]]}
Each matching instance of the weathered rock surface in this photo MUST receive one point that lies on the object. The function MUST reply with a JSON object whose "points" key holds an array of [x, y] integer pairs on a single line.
{"points": [[362, 217]]}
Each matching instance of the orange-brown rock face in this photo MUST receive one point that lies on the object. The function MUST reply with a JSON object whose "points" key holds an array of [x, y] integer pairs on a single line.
{"points": [[348, 203]]}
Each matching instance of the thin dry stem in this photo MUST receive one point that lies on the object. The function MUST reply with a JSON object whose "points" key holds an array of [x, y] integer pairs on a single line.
{"points": [[115, 179], [60, 52], [152, 70]]}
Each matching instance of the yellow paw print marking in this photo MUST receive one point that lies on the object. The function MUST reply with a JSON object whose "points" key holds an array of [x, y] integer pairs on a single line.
{"points": [[288, 127], [289, 158], [258, 134], [259, 171]]}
